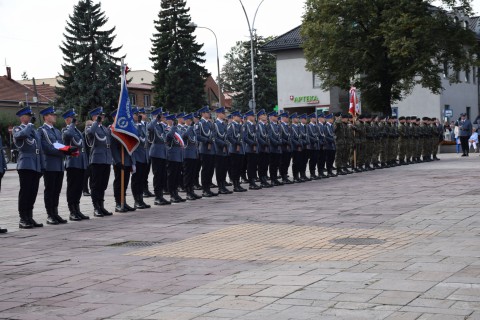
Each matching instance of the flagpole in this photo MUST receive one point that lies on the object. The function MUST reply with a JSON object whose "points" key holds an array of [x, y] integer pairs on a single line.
{"points": [[354, 146], [122, 174]]}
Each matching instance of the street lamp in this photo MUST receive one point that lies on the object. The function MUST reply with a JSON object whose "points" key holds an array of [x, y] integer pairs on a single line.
{"points": [[194, 25], [252, 30]]}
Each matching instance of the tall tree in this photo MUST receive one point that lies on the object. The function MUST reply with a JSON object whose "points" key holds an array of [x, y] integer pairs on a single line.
{"points": [[177, 60], [384, 47], [237, 75], [91, 75]]}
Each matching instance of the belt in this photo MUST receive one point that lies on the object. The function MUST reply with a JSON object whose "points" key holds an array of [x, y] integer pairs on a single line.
{"points": [[82, 150], [37, 151], [108, 146]]}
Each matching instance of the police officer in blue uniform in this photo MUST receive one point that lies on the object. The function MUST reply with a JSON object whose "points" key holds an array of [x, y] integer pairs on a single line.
{"points": [[30, 166], [296, 148], [221, 151], [140, 161], [286, 139], [74, 165], [322, 144], [175, 146], [263, 148], [158, 155], [3, 169], [144, 124], [236, 150], [330, 145], [207, 150], [305, 139], [314, 146], [191, 157], [54, 165], [127, 166], [275, 147], [251, 149], [198, 163], [98, 137]]}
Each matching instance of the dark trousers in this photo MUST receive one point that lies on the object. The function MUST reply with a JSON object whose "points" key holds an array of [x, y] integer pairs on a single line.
{"points": [[274, 164], [263, 160], [208, 168], [330, 158], [86, 179], [145, 175], [464, 143], [303, 162], [189, 172], [198, 167], [159, 168], [236, 161], [221, 167], [1, 176], [252, 162], [27, 193], [53, 181], [99, 181], [74, 189], [138, 178], [243, 170], [285, 163], [117, 181], [296, 163], [173, 172], [312, 161], [321, 161]]}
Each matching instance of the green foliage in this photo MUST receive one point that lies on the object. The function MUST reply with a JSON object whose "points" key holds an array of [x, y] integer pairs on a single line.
{"points": [[384, 47], [91, 75], [237, 75], [177, 60]]}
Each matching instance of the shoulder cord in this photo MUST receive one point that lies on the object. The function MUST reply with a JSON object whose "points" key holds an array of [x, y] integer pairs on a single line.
{"points": [[264, 135], [273, 130], [46, 136], [218, 131], [203, 131]]}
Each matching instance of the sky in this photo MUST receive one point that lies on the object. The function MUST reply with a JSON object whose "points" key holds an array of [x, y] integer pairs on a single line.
{"points": [[32, 30]]}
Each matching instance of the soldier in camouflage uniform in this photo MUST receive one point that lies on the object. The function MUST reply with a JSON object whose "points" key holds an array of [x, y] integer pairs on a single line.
{"points": [[349, 144], [370, 143], [409, 135], [425, 132], [438, 137], [382, 141], [339, 130], [376, 143], [402, 140]]}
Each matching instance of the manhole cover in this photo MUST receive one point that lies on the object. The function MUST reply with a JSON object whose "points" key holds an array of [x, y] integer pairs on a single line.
{"points": [[358, 241], [134, 244]]}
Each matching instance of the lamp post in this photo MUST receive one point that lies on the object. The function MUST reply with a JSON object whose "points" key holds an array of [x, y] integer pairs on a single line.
{"points": [[252, 30], [194, 25]]}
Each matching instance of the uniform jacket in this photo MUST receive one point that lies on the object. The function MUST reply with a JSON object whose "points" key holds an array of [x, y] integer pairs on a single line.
{"points": [[339, 130], [140, 154], [250, 137], [156, 138], [296, 138], [329, 137], [464, 128], [312, 131], [275, 138], [220, 137], [73, 137], [145, 124], [262, 138], [28, 143], [3, 163], [53, 158], [116, 147], [235, 138], [321, 136], [174, 147], [304, 138], [100, 139], [286, 137], [204, 131], [191, 144]]}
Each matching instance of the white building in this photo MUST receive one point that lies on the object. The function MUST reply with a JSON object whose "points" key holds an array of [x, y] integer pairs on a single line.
{"points": [[299, 90]]}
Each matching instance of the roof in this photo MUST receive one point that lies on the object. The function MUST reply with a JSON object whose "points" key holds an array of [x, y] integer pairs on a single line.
{"points": [[11, 90], [141, 86], [289, 40]]}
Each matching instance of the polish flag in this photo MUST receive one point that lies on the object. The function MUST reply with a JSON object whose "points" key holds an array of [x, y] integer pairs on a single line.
{"points": [[354, 107]]}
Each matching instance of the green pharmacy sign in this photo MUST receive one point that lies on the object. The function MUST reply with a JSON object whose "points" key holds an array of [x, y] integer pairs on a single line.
{"points": [[305, 99]]}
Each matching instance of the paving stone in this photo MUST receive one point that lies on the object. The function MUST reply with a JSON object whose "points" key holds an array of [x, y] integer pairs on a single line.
{"points": [[403, 285]]}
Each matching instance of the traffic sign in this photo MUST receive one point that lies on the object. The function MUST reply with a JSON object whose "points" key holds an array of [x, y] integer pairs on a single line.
{"points": [[448, 113]]}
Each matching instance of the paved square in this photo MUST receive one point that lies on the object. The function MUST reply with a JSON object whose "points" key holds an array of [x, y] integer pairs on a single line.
{"points": [[399, 243]]}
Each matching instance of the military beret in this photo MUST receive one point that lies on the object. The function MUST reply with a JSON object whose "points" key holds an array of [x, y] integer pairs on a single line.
{"points": [[401, 118]]}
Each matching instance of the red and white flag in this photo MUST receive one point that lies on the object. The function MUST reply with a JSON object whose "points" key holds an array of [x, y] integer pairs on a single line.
{"points": [[179, 139], [354, 107]]}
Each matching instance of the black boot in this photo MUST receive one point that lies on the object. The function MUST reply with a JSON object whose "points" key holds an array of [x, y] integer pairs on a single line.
{"points": [[129, 208], [79, 213], [147, 193], [253, 185], [285, 180], [237, 187], [24, 222], [180, 198], [222, 189], [119, 208], [59, 219], [139, 204], [33, 222], [73, 213], [190, 195], [161, 201], [174, 197], [264, 182], [3, 230], [105, 212], [197, 186], [97, 211], [51, 217]]}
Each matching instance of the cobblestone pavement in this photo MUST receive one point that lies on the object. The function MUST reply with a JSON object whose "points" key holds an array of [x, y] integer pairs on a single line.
{"points": [[399, 243]]}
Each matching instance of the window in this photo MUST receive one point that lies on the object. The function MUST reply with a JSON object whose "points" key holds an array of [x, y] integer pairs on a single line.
{"points": [[445, 70], [133, 99], [468, 112], [146, 100], [467, 75], [316, 81]]}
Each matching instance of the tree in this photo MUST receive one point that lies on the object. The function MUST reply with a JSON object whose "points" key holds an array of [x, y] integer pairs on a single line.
{"points": [[91, 74], [384, 47], [237, 75], [24, 75], [177, 60]]}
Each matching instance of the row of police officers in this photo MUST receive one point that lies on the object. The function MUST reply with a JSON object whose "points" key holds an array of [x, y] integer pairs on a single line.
{"points": [[186, 150]]}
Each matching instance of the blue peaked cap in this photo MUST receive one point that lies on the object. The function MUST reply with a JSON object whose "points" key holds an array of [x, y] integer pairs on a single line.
{"points": [[156, 111], [48, 110], [170, 117], [293, 115], [329, 116], [204, 110], [303, 116], [273, 113], [220, 110], [180, 115], [249, 113], [188, 116], [236, 114], [261, 112], [69, 114], [95, 112], [24, 111]]}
